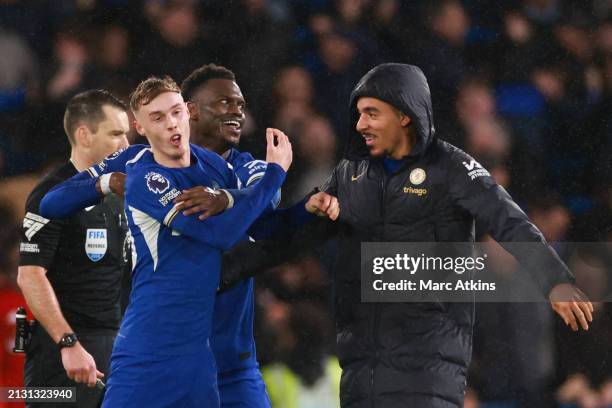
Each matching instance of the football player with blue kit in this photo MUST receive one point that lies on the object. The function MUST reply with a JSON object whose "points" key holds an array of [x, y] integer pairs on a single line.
{"points": [[162, 356], [216, 99]]}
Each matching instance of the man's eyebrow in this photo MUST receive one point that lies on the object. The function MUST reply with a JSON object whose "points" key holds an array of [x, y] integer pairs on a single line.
{"points": [[158, 112], [370, 109], [226, 96]]}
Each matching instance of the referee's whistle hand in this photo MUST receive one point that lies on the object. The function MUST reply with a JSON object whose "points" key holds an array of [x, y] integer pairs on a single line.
{"points": [[572, 305], [323, 205], [80, 366]]}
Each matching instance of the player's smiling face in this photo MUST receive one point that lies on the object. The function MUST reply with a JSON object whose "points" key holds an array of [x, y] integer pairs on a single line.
{"points": [[165, 123], [383, 128], [217, 113]]}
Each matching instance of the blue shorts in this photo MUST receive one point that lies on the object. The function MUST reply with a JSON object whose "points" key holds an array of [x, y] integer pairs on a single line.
{"points": [[243, 389], [161, 381]]}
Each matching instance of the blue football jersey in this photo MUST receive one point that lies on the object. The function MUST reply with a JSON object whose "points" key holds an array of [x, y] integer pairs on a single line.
{"points": [[232, 336], [250, 170], [178, 258]]}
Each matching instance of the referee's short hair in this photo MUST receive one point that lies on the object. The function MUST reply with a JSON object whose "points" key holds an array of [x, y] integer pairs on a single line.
{"points": [[202, 75], [85, 108]]}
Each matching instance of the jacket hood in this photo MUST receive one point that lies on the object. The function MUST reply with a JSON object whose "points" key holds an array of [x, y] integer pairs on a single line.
{"points": [[404, 87]]}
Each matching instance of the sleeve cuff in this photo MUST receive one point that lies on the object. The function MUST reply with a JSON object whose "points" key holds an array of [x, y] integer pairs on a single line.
{"points": [[230, 199], [105, 183]]}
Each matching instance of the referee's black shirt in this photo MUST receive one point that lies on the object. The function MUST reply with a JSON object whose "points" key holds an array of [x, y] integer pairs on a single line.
{"points": [[84, 255]]}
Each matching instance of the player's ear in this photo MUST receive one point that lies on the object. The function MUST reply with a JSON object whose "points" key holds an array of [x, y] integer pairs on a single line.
{"points": [[139, 128], [193, 111], [83, 136], [405, 120]]}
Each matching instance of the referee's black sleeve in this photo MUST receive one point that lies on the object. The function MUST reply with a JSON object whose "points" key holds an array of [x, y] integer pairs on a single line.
{"points": [[39, 236]]}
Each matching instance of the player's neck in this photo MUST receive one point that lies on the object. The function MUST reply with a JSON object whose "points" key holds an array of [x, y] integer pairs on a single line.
{"points": [[171, 161], [405, 146], [214, 144]]}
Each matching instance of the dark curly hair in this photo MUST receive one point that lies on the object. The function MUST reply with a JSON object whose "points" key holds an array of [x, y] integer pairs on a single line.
{"points": [[203, 74]]}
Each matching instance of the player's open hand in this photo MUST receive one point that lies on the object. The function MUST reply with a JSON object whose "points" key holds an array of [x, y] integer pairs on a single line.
{"points": [[279, 149], [80, 366], [572, 305], [203, 200], [323, 205]]}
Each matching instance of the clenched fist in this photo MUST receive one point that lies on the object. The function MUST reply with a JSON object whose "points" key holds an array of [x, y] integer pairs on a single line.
{"points": [[323, 205]]}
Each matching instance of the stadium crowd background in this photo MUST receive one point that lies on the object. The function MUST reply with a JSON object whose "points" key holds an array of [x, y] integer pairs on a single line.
{"points": [[524, 86]]}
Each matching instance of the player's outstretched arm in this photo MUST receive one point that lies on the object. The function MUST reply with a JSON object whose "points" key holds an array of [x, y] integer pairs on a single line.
{"points": [[69, 197], [473, 189], [88, 187], [224, 230]]}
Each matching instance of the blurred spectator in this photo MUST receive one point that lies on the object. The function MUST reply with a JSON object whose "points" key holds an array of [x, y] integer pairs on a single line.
{"points": [[252, 40], [15, 190], [342, 68], [71, 71], [308, 377], [351, 12], [11, 364], [387, 28], [314, 158], [603, 37], [19, 74], [487, 138], [272, 334], [517, 49], [303, 278], [482, 133], [549, 215], [606, 393], [293, 96], [577, 392], [113, 65], [315, 141], [442, 56], [542, 11], [68, 74], [475, 102], [176, 46]]}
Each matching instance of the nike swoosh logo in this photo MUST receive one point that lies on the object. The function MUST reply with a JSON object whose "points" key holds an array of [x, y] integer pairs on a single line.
{"points": [[355, 178], [89, 208]]}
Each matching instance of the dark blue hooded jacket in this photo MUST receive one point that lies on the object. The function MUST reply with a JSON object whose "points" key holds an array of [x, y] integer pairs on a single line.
{"points": [[412, 354]]}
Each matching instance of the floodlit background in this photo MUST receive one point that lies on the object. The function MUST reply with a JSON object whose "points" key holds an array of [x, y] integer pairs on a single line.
{"points": [[524, 86]]}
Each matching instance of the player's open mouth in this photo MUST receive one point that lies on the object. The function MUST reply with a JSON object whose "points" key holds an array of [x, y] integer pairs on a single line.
{"points": [[234, 124], [369, 139], [175, 140]]}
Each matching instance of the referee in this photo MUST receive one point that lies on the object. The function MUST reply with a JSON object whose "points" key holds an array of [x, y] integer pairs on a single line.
{"points": [[71, 269]]}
